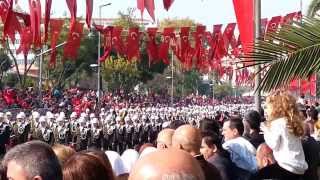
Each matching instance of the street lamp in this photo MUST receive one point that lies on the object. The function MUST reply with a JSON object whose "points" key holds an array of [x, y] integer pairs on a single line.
{"points": [[98, 60]]}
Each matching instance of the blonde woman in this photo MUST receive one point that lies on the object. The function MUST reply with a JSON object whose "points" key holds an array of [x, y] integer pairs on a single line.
{"points": [[282, 132]]}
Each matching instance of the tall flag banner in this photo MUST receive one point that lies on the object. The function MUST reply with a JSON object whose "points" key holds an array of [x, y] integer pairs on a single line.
{"points": [[198, 36], [117, 43], [228, 34], [35, 17], [273, 24], [244, 13], [47, 18], [167, 34], [74, 41], [215, 43], [186, 52], [107, 44], [55, 30], [313, 85], [149, 5], [72, 6], [140, 6], [264, 23], [10, 21], [26, 41], [89, 9], [152, 47], [167, 4], [133, 43]]}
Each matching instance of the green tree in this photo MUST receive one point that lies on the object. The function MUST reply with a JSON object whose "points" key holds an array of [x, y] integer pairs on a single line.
{"points": [[314, 7], [293, 51]]}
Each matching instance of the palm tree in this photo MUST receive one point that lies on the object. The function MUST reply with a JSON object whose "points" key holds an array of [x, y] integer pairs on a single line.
{"points": [[314, 7], [291, 52]]}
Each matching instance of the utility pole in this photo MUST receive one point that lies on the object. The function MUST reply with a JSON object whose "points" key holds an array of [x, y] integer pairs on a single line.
{"points": [[257, 34]]}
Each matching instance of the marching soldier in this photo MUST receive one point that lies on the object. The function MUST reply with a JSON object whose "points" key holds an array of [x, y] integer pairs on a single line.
{"points": [[129, 132], [21, 128], [44, 133], [136, 136], [97, 134], [5, 132], [85, 136], [74, 130], [120, 134], [62, 132], [108, 131]]}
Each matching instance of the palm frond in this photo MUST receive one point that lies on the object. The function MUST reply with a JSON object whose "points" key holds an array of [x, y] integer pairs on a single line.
{"points": [[291, 52], [314, 7]]}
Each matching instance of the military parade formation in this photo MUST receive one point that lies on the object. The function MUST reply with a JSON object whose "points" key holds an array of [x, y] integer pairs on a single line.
{"points": [[110, 129]]}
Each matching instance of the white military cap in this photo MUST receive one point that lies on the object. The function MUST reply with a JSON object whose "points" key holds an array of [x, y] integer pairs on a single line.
{"points": [[95, 121], [42, 119], [1, 115], [73, 115], [92, 115]]}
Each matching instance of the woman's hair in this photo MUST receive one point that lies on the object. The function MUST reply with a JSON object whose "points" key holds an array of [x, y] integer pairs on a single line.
{"points": [[82, 166], [103, 159], [63, 152], [283, 104]]}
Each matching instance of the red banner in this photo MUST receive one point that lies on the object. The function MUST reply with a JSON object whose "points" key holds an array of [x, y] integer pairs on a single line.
{"points": [[47, 18], [89, 9], [35, 18], [55, 30], [73, 42], [133, 43], [152, 47]]}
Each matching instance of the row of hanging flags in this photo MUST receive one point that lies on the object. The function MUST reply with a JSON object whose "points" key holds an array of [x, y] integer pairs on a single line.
{"points": [[202, 49]]}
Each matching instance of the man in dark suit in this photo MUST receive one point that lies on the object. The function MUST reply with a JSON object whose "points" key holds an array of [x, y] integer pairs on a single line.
{"points": [[188, 138]]}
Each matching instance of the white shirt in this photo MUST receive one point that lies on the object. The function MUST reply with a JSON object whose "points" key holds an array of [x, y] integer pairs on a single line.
{"points": [[287, 148]]}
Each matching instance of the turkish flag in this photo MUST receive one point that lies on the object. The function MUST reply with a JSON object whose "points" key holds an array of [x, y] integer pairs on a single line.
{"points": [[264, 23], [288, 19], [72, 5], [47, 19], [198, 36], [167, 34], [273, 24], [244, 13], [149, 5], [167, 4], [117, 43], [35, 17], [152, 47], [184, 43], [74, 41], [107, 44], [10, 21], [228, 34], [133, 43], [26, 41], [89, 9], [313, 85], [55, 30]]}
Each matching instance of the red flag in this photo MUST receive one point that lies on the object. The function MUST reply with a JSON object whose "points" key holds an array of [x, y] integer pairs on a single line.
{"points": [[133, 43], [184, 43], [294, 85], [304, 86], [47, 19], [10, 21], [73, 42], [167, 4], [167, 34], [200, 51], [24, 17], [264, 23], [288, 18], [313, 85], [35, 17], [140, 6], [149, 4], [273, 24], [89, 12], [228, 34], [26, 41], [72, 5], [107, 36], [152, 47], [244, 13], [55, 30], [117, 42]]}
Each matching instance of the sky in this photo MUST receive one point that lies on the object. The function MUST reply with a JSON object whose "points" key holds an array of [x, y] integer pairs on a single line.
{"points": [[207, 12]]}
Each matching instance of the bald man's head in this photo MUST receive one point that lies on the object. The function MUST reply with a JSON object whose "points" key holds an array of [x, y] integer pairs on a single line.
{"points": [[188, 138], [170, 164], [264, 156], [164, 139]]}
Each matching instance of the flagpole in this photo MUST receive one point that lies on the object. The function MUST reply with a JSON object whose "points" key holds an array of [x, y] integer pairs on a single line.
{"points": [[257, 29], [40, 74]]}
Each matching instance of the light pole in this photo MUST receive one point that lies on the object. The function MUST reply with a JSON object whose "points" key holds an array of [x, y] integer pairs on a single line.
{"points": [[257, 27], [99, 47]]}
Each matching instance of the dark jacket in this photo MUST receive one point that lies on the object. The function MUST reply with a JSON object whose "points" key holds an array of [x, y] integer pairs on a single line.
{"points": [[223, 164], [210, 171]]}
